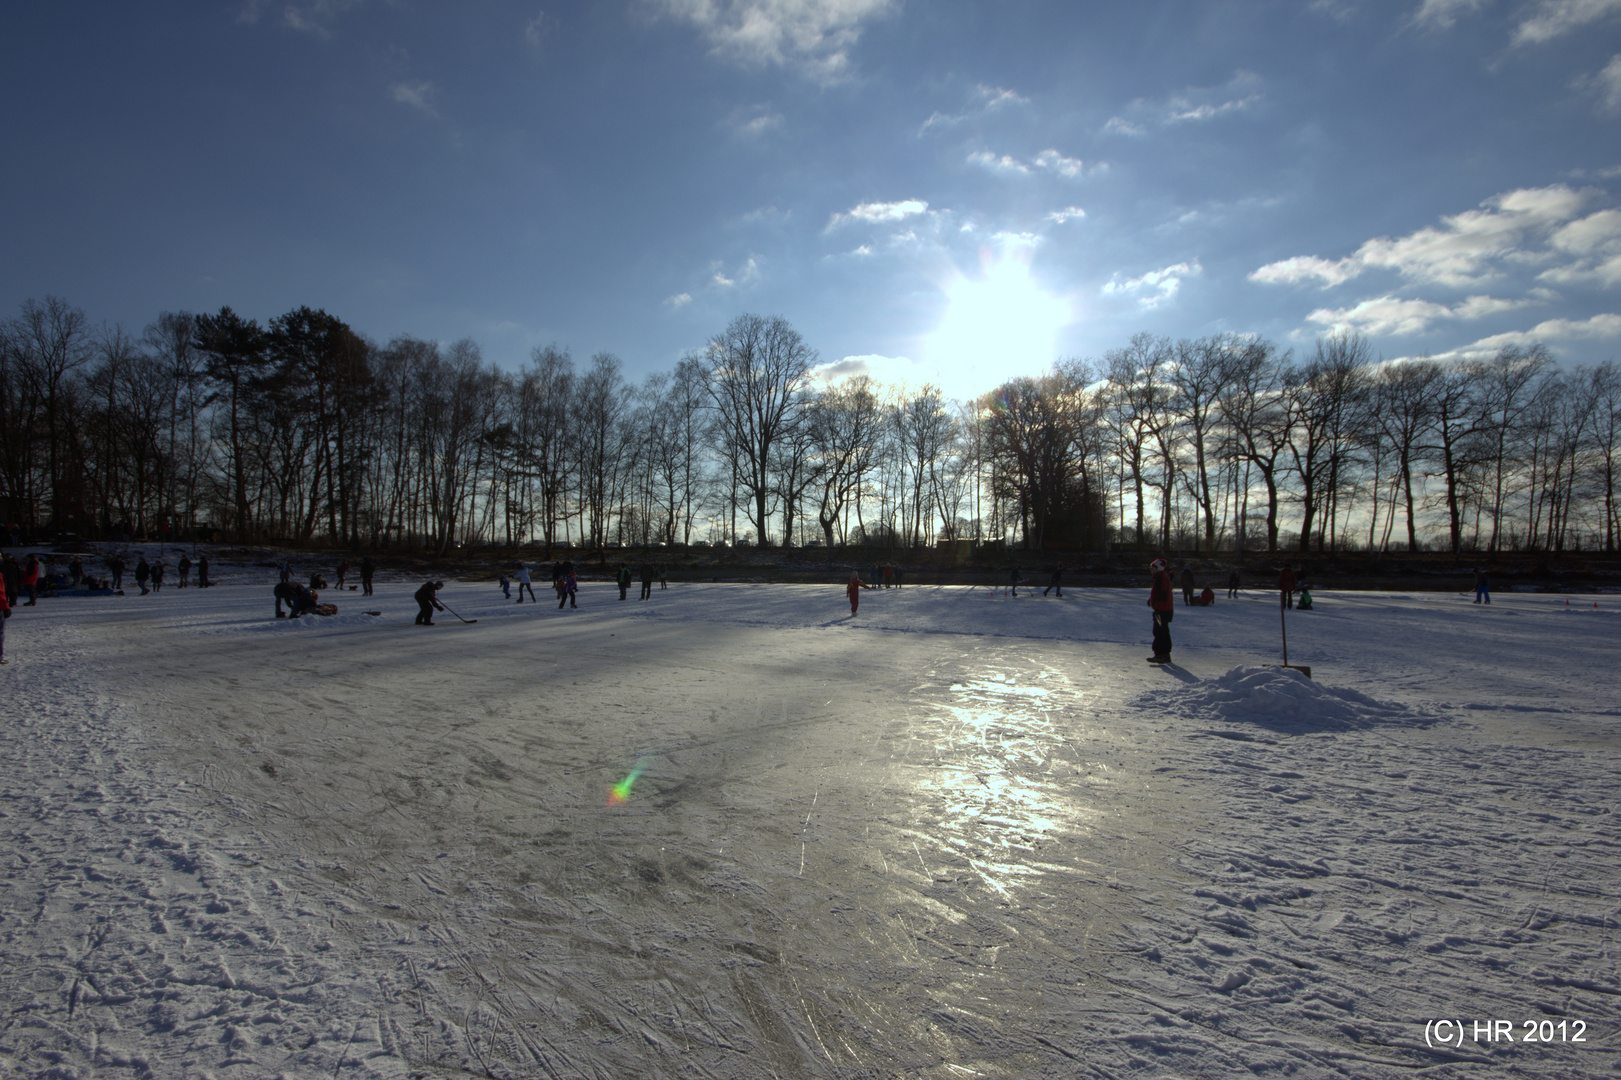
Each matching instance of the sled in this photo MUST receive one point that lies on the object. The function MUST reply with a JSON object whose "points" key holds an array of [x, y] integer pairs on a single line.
{"points": [[326, 609]]}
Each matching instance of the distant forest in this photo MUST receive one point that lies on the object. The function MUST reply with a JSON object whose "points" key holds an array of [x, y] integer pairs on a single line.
{"points": [[302, 430]]}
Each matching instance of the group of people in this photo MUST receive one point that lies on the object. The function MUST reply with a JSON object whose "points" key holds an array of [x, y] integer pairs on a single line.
{"points": [[1162, 599]]}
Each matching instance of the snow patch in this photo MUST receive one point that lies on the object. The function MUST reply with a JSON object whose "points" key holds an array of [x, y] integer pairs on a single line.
{"points": [[1280, 698]]}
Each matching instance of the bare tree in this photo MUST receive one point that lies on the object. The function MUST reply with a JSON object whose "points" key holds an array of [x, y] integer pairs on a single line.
{"points": [[757, 372]]}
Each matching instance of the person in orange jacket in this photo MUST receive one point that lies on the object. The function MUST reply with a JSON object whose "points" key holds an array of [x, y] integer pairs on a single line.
{"points": [[853, 591]]}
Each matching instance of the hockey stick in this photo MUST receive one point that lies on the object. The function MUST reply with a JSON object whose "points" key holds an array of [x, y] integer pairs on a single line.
{"points": [[469, 621]]}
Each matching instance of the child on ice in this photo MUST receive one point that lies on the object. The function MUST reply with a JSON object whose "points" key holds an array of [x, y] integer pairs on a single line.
{"points": [[853, 591]]}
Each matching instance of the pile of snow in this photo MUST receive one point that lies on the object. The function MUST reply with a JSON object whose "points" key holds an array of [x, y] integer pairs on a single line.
{"points": [[1280, 698]]}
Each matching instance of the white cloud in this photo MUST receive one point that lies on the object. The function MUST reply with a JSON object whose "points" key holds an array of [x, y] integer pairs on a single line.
{"points": [[881, 212], [308, 18], [747, 275], [1392, 315], [814, 36], [1194, 105], [1004, 164], [1068, 213], [889, 370], [678, 301], [1598, 326], [987, 99], [1441, 14], [1050, 160], [1058, 163], [754, 121], [1555, 18], [1606, 86], [536, 29], [1155, 287], [418, 95], [1210, 111], [1464, 251]]}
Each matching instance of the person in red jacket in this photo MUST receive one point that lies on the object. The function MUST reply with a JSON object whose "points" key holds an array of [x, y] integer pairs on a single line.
{"points": [[853, 591], [1162, 600], [1286, 586]]}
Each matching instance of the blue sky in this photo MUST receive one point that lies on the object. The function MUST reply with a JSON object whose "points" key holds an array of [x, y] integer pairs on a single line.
{"points": [[939, 190]]}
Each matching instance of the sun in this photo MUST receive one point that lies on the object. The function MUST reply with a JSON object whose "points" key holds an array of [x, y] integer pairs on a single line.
{"points": [[997, 325]]}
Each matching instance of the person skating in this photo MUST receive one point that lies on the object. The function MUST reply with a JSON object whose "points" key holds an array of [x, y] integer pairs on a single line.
{"points": [[143, 574], [427, 602], [11, 572], [1483, 588], [343, 572], [202, 572], [1232, 585], [184, 566], [5, 613], [115, 570], [623, 579], [647, 581], [525, 581], [853, 590], [367, 570], [889, 575], [157, 575], [1162, 601], [1287, 586], [31, 580], [1014, 577], [1188, 584], [1057, 582], [568, 588]]}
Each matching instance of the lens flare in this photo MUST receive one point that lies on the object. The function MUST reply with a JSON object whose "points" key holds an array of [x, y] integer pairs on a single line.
{"points": [[619, 793]]}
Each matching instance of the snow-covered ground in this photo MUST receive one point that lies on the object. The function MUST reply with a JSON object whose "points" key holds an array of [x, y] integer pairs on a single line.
{"points": [[957, 835]]}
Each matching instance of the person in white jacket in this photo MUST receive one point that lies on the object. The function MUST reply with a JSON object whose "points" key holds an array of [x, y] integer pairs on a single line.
{"points": [[522, 577]]}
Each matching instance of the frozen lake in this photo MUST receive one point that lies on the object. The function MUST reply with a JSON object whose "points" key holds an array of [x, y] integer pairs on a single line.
{"points": [[956, 835]]}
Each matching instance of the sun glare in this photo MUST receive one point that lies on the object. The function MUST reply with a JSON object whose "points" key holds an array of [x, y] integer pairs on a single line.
{"points": [[997, 325]]}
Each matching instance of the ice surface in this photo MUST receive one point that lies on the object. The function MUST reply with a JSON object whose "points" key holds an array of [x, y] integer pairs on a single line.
{"points": [[956, 834]]}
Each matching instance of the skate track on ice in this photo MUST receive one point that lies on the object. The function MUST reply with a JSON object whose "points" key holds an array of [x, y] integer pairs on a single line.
{"points": [[956, 835]]}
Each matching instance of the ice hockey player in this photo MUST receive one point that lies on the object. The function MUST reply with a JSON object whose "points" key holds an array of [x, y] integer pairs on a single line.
{"points": [[427, 602], [1057, 582], [853, 591], [1014, 577], [1163, 602]]}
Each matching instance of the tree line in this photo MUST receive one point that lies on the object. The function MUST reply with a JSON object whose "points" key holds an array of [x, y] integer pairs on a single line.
{"points": [[300, 429]]}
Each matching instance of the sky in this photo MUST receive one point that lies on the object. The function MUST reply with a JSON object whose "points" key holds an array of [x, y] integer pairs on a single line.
{"points": [[944, 192]]}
